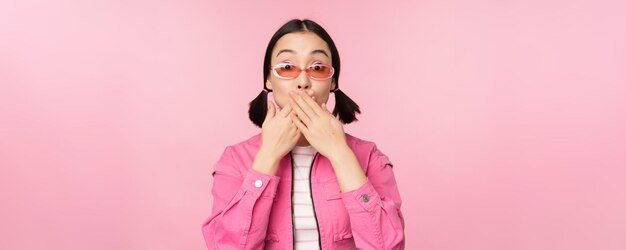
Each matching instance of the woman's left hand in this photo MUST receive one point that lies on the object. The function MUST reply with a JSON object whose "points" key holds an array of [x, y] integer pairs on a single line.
{"points": [[318, 125]]}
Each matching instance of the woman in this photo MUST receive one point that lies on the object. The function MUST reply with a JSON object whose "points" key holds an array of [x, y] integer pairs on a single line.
{"points": [[302, 182]]}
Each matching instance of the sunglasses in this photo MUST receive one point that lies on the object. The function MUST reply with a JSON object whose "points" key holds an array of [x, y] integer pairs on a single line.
{"points": [[317, 71]]}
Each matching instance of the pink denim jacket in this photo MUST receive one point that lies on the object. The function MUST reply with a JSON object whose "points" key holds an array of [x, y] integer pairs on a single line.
{"points": [[252, 210]]}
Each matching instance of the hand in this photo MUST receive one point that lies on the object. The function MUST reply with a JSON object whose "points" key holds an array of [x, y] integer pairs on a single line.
{"points": [[279, 133], [318, 125]]}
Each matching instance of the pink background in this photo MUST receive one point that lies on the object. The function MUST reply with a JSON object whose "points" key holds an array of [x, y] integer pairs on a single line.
{"points": [[505, 119]]}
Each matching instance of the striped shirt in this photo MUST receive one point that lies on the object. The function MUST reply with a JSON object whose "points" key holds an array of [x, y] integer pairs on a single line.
{"points": [[304, 216]]}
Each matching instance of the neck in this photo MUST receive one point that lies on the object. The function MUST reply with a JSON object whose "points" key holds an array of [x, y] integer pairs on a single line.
{"points": [[302, 141]]}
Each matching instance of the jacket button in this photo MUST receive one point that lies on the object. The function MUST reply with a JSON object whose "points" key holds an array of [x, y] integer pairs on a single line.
{"points": [[258, 183], [365, 198]]}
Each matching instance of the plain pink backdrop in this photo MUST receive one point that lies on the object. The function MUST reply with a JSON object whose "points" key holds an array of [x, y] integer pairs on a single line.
{"points": [[505, 120]]}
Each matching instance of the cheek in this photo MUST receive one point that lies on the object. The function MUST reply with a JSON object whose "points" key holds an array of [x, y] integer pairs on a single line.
{"points": [[280, 92], [322, 91]]}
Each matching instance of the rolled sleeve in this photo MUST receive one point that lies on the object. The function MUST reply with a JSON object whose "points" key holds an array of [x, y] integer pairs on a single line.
{"points": [[364, 197], [261, 185]]}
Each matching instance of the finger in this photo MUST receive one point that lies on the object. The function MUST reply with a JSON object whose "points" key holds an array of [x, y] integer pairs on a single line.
{"points": [[324, 108], [312, 104], [299, 124], [304, 105], [301, 114], [286, 110]]}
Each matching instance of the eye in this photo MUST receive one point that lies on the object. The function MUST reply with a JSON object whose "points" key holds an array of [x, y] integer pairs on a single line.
{"points": [[317, 67], [286, 66]]}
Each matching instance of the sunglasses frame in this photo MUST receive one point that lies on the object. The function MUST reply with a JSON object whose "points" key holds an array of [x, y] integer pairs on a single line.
{"points": [[273, 69]]}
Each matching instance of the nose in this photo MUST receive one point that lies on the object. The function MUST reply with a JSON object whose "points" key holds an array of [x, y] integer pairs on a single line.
{"points": [[304, 86], [303, 81]]}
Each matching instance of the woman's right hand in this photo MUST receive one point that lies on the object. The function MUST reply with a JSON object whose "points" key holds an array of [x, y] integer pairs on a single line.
{"points": [[279, 136]]}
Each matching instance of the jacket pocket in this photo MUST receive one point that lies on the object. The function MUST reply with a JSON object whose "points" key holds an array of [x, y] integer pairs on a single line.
{"points": [[331, 189], [345, 241]]}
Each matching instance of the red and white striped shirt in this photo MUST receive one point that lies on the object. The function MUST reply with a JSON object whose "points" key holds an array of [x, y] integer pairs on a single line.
{"points": [[305, 223]]}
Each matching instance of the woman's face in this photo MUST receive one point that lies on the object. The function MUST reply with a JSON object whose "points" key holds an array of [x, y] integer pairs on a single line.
{"points": [[301, 49]]}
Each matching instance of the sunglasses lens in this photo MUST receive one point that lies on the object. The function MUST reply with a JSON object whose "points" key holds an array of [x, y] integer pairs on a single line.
{"points": [[320, 71], [287, 71], [317, 71]]}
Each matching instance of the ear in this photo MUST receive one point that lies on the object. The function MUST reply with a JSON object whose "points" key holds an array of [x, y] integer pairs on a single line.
{"points": [[333, 84], [268, 84]]}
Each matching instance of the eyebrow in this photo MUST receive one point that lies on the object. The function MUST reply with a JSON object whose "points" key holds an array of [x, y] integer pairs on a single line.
{"points": [[320, 51]]}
